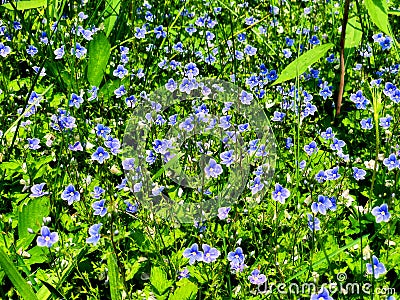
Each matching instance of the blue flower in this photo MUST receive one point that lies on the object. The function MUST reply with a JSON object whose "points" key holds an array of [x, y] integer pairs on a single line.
{"points": [[323, 294], [386, 43], [160, 32], [257, 278], [193, 254], [288, 143], [113, 144], [171, 85], [75, 100], [213, 169], [102, 130], [328, 134], [119, 92], [381, 213], [70, 194], [100, 155], [191, 70], [391, 162], [97, 192], [120, 72], [128, 163], [257, 185], [140, 33], [223, 212], [385, 122], [37, 190], [337, 144], [47, 238], [76, 147], [4, 50], [99, 208], [224, 122], [332, 174], [278, 116], [131, 208], [311, 148], [389, 89], [246, 98], [187, 125], [227, 157], [250, 50], [32, 50], [236, 257], [321, 205], [326, 92], [78, 51], [366, 124], [94, 232], [33, 144], [313, 222], [210, 254], [184, 274], [377, 268], [280, 193], [395, 96], [358, 174]]}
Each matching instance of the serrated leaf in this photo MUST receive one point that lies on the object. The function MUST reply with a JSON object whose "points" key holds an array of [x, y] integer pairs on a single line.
{"points": [[186, 290], [23, 5], [15, 277], [353, 33], [378, 11], [158, 279], [99, 53], [301, 64]]}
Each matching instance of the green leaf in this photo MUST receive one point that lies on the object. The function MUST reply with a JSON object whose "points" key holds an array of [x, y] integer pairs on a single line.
{"points": [[99, 53], [158, 279], [31, 216], [113, 7], [186, 290], [15, 277], [22, 5], [353, 33], [113, 275], [394, 12], [300, 64], [378, 11]]}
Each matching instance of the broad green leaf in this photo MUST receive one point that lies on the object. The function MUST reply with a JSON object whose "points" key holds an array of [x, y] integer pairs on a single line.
{"points": [[113, 275], [112, 9], [186, 290], [99, 53], [158, 279], [23, 5], [378, 11], [31, 216], [300, 64], [353, 33], [15, 277]]}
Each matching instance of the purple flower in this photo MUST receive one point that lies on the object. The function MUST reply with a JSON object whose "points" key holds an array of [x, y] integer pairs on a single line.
{"points": [[75, 100], [100, 155], [131, 208], [213, 169], [280, 193], [37, 190], [256, 277], [311, 148], [193, 254], [97, 191], [128, 163], [47, 238], [358, 174], [210, 254], [76, 147], [33, 143], [236, 257], [94, 232], [391, 162], [377, 268], [257, 185], [313, 222], [323, 294], [70, 194], [381, 213], [328, 134], [223, 212], [321, 205], [99, 209]]}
